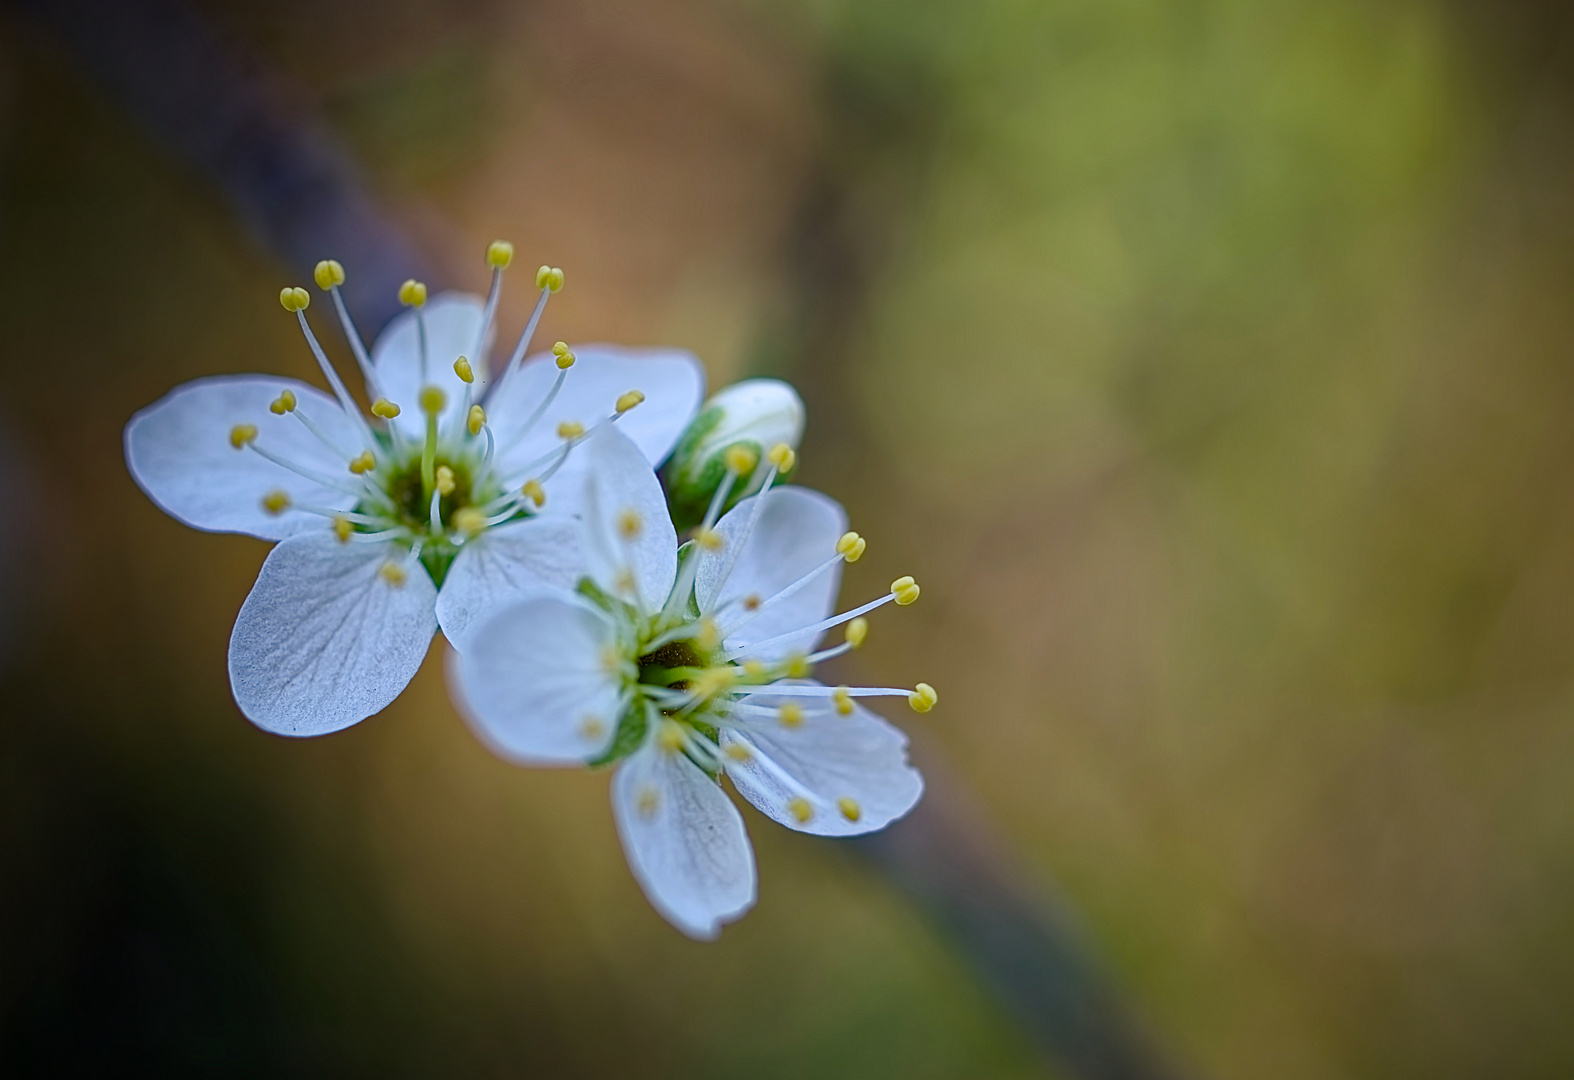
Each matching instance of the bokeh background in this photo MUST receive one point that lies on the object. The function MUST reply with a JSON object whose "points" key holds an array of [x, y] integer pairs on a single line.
{"points": [[1211, 364]]}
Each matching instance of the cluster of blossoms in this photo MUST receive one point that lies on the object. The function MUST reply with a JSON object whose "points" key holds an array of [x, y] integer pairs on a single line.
{"points": [[523, 516]]}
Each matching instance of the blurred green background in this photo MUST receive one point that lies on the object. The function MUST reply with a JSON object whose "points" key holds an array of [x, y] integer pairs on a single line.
{"points": [[1209, 363]]}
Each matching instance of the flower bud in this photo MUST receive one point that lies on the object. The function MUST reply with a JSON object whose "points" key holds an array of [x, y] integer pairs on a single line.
{"points": [[756, 415]]}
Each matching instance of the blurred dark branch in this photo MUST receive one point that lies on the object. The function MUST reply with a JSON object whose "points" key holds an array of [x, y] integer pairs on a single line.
{"points": [[282, 171], [302, 198]]}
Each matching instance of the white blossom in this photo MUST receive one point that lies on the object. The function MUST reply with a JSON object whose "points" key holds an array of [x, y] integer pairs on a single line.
{"points": [[393, 523], [685, 666]]}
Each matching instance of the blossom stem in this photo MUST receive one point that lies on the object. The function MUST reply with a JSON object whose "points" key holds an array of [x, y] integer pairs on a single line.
{"points": [[813, 628]]}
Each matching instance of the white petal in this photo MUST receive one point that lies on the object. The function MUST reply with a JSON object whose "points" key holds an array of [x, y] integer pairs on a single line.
{"points": [[178, 450], [672, 381], [326, 639], [452, 322], [534, 683], [504, 563], [621, 491], [797, 531], [684, 840], [826, 758]]}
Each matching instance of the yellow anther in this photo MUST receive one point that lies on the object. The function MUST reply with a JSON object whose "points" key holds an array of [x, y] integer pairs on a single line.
{"points": [[843, 700], [647, 801], [276, 502], [751, 602], [851, 546], [800, 810], [741, 459], [782, 457], [713, 681], [565, 357], [739, 753], [393, 574], [549, 277], [905, 589], [469, 521], [241, 434], [670, 736], [363, 463], [709, 539], [294, 299], [797, 666], [412, 293], [629, 524], [476, 420], [445, 480], [592, 728], [284, 403], [432, 400], [463, 369], [384, 408], [533, 491], [329, 273], [857, 630], [849, 808], [570, 429], [499, 253], [923, 698], [791, 715], [343, 529], [707, 636], [560, 348], [754, 669], [629, 400], [624, 584]]}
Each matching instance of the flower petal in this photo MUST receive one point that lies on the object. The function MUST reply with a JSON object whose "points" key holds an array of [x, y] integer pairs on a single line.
{"points": [[179, 452], [534, 684], [453, 320], [503, 564], [672, 381], [328, 636], [684, 840], [797, 531], [824, 759], [630, 547]]}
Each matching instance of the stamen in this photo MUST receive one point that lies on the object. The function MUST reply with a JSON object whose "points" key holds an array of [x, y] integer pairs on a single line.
{"points": [[384, 409], [857, 630], [276, 502], [570, 429], [923, 698], [242, 435], [320, 435], [445, 480], [476, 420], [469, 521], [343, 529], [781, 455], [533, 491], [790, 715], [300, 470], [499, 253], [900, 587], [465, 372], [800, 809], [548, 284], [786, 592], [393, 574], [836, 693], [628, 401], [365, 463], [851, 546], [297, 302], [849, 808], [282, 404], [330, 275]]}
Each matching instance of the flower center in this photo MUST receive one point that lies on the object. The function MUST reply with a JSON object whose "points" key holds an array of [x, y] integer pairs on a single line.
{"points": [[413, 505]]}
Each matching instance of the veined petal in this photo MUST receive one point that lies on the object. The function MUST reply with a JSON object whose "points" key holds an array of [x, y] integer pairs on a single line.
{"points": [[629, 544], [535, 684], [684, 841], [797, 531], [453, 320], [672, 381], [503, 564], [330, 634], [824, 759], [179, 452]]}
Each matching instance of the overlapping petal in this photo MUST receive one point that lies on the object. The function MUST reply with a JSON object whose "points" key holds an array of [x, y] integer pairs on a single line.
{"points": [[453, 321], [179, 452], [824, 759], [684, 840], [535, 683], [502, 565], [797, 530], [672, 381], [329, 636], [630, 547]]}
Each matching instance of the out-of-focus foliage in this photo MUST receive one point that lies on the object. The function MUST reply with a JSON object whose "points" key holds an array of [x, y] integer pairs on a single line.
{"points": [[1208, 363]]}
